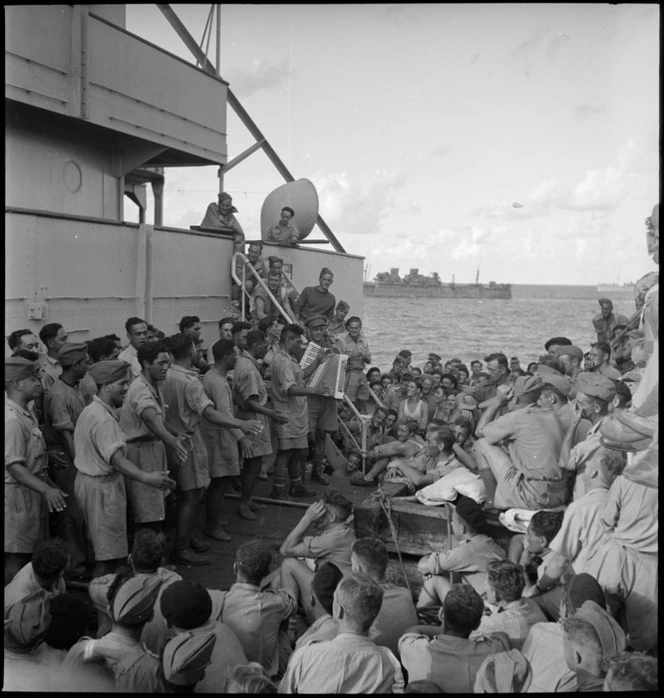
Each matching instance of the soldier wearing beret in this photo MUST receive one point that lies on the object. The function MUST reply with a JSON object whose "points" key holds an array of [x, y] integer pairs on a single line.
{"points": [[594, 393], [29, 492], [63, 405], [101, 463]]}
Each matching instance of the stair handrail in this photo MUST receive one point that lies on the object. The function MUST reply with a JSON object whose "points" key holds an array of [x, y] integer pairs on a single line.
{"points": [[241, 283]]}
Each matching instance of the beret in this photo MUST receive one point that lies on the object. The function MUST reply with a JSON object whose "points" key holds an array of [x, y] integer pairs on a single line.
{"points": [[223, 196], [584, 587], [104, 372], [561, 383], [557, 340], [595, 385], [434, 357], [611, 636], [570, 350], [70, 353], [186, 656], [17, 368], [134, 602], [186, 604], [316, 320], [603, 301], [325, 270], [406, 353]]}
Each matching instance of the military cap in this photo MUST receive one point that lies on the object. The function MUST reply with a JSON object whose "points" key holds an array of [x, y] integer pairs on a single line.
{"points": [[434, 357], [316, 321], [605, 301], [595, 385], [186, 604], [611, 636], [186, 656], [134, 602], [71, 353], [17, 368], [557, 340], [104, 372], [406, 353], [561, 383], [527, 384], [570, 350]]}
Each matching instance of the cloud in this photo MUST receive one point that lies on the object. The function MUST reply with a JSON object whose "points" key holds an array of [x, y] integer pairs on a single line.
{"points": [[359, 208], [588, 110], [260, 76], [441, 151]]}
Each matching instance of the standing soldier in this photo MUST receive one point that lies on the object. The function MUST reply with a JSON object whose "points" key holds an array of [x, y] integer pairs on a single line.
{"points": [[29, 493], [142, 420], [101, 463], [187, 405], [251, 398], [137, 333], [63, 405], [53, 337]]}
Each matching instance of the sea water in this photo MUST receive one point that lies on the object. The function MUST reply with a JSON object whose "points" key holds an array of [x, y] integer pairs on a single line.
{"points": [[470, 329]]}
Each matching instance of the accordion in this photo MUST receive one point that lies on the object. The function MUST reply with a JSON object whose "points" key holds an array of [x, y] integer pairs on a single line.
{"points": [[331, 374]]}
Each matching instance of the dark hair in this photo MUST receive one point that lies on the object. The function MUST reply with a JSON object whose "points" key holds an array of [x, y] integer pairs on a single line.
{"points": [[445, 437], [500, 358], [464, 423], [289, 209], [507, 578], [100, 346], [253, 560], [255, 337], [623, 393], [27, 354], [354, 318], [14, 338], [373, 369], [392, 412], [50, 558], [188, 321], [148, 550], [273, 259], [603, 347], [547, 524], [265, 323], [451, 377], [373, 553], [69, 621], [476, 361], [290, 330], [123, 573], [134, 321], [48, 332], [256, 243], [185, 604], [241, 325], [149, 351], [222, 348], [112, 337], [531, 370], [227, 321], [552, 362], [464, 368], [612, 463], [179, 345], [463, 609], [336, 500]]}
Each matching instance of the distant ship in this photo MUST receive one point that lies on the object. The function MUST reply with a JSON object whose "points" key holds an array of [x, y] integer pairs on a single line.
{"points": [[616, 288], [416, 285]]}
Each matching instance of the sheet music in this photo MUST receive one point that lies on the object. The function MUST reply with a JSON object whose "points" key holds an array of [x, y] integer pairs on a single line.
{"points": [[309, 356]]}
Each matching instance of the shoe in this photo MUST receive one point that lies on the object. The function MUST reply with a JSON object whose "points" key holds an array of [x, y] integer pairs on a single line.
{"points": [[198, 545], [263, 476], [217, 533], [189, 558], [255, 506], [359, 481], [244, 512], [302, 491], [317, 476], [328, 469], [278, 493]]}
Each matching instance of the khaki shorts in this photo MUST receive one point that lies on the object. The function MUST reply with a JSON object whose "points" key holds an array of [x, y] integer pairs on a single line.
{"points": [[322, 413], [194, 473], [146, 503], [26, 519]]}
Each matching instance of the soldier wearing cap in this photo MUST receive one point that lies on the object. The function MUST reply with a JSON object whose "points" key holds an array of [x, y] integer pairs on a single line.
{"points": [[316, 300], [221, 215], [594, 393], [63, 405], [29, 492], [131, 602], [101, 463], [606, 320], [551, 345]]}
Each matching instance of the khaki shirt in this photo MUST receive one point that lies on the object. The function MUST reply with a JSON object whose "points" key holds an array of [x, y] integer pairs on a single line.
{"points": [[140, 396], [183, 392], [62, 408], [24, 442], [286, 372], [130, 356], [51, 370], [97, 437]]}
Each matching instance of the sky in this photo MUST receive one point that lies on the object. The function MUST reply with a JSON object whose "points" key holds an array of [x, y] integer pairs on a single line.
{"points": [[422, 125]]}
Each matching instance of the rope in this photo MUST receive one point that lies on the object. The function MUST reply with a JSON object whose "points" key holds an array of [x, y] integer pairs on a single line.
{"points": [[386, 506]]}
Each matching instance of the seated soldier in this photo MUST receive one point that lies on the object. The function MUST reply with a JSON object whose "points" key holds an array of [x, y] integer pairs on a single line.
{"points": [[433, 462], [369, 556], [407, 444], [189, 609], [332, 515], [504, 672], [470, 558], [323, 585], [131, 600], [509, 610], [43, 573], [533, 553], [591, 638], [446, 655], [631, 671], [257, 615], [351, 662]]}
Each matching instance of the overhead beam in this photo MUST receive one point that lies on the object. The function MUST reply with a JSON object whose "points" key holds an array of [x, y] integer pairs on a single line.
{"points": [[243, 156], [233, 101]]}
